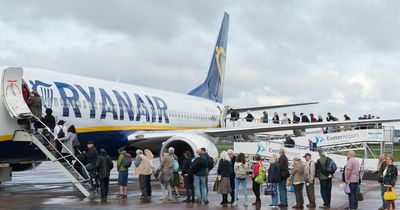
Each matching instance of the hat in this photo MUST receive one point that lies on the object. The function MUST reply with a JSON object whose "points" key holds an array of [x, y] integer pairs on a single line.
{"points": [[307, 154], [90, 142]]}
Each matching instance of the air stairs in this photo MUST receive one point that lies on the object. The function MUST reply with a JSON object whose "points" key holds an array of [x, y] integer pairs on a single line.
{"points": [[46, 144]]}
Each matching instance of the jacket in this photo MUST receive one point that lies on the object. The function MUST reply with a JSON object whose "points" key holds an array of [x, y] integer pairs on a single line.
{"points": [[233, 161], [322, 167], [284, 166], [50, 121], [296, 119], [104, 165], [35, 105], [274, 173], [186, 165], [91, 155], [224, 168], [297, 173], [67, 141], [309, 171], [199, 166], [285, 120], [380, 171], [256, 168], [143, 166], [166, 163], [120, 165], [390, 177]]}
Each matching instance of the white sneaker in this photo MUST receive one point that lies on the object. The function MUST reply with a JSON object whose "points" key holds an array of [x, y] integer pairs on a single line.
{"points": [[162, 198], [234, 204], [245, 204]]}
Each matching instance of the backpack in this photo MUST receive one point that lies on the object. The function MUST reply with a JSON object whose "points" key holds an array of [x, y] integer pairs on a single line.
{"points": [[261, 176], [127, 162], [175, 165], [240, 172], [210, 163], [61, 133], [330, 166]]}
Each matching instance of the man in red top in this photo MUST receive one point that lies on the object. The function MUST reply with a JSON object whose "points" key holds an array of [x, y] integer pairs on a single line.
{"points": [[256, 186]]}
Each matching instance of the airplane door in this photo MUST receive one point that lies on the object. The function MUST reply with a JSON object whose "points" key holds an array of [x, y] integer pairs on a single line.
{"points": [[12, 93]]}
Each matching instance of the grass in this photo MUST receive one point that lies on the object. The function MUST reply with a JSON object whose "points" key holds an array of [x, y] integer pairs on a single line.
{"points": [[223, 147]]}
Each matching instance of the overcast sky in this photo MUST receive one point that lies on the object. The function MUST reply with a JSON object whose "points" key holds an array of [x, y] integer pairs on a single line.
{"points": [[344, 54]]}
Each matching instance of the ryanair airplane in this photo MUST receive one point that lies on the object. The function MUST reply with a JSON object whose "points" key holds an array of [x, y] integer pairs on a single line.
{"points": [[113, 115]]}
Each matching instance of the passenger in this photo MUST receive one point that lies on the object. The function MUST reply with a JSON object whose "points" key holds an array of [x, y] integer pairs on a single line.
{"points": [[122, 173], [25, 93], [209, 163], [91, 155], [68, 141], [320, 119], [352, 178], [35, 105], [59, 131], [241, 174], [256, 186], [330, 118], [49, 119], [104, 165], [284, 167], [389, 178], [312, 118], [346, 117], [166, 176], [144, 170], [285, 119], [224, 173], [199, 170], [296, 119], [275, 119], [347, 127], [381, 167], [274, 177], [187, 177], [249, 117], [289, 142], [232, 181], [297, 179], [175, 178], [309, 176], [265, 117], [150, 156], [234, 115], [325, 180], [304, 118]]}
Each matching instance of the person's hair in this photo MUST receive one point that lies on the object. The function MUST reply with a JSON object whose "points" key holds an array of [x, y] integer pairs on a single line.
{"points": [[282, 151], [273, 158], [241, 158], [72, 129], [230, 151], [139, 152], [351, 152], [390, 157], [102, 152], [224, 156], [257, 157], [35, 93], [148, 154], [187, 154], [171, 150], [49, 111]]}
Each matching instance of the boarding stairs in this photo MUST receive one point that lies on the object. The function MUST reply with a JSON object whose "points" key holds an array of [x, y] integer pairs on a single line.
{"points": [[45, 141]]}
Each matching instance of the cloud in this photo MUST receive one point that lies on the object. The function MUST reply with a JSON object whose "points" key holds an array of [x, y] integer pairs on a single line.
{"points": [[343, 54]]}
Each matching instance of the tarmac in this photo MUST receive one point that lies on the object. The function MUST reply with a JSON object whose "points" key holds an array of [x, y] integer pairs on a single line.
{"points": [[47, 188]]}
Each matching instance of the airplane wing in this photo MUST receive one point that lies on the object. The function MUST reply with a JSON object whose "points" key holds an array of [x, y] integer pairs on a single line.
{"points": [[258, 108], [218, 132]]}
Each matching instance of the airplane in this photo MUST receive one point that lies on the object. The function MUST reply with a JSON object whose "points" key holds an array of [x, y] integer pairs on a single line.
{"points": [[114, 114]]}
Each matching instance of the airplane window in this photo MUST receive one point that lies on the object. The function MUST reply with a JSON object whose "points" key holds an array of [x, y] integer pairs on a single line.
{"points": [[84, 104], [55, 102]]}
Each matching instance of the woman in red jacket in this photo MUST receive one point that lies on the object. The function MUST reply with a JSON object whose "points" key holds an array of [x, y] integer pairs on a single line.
{"points": [[256, 186]]}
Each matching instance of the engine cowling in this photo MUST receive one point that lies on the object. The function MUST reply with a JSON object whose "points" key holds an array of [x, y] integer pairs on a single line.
{"points": [[191, 142]]}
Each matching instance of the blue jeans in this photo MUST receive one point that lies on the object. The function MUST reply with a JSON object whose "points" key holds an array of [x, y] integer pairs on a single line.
{"points": [[326, 190], [274, 197], [200, 188], [383, 189], [242, 182], [282, 191], [353, 196]]}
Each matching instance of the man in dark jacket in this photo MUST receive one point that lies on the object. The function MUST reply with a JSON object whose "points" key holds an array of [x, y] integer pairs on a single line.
{"points": [[49, 119], [232, 180], [304, 118], [296, 119], [187, 177], [284, 167], [199, 170], [289, 142], [381, 168], [104, 165], [90, 156]]}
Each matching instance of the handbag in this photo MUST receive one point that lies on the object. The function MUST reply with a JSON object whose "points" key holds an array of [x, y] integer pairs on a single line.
{"points": [[216, 183], [270, 190], [347, 189], [360, 196], [390, 195]]}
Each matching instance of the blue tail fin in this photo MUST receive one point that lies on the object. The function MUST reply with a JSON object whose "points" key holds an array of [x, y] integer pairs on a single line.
{"points": [[212, 88]]}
